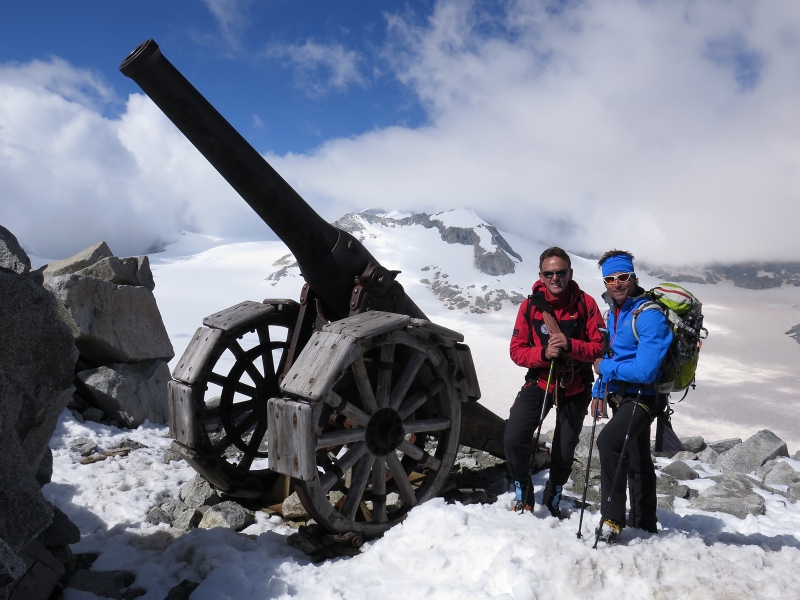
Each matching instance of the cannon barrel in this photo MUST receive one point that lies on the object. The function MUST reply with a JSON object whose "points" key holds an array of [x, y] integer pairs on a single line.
{"points": [[329, 258]]}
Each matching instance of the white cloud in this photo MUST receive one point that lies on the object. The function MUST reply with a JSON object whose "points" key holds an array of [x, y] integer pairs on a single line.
{"points": [[669, 128], [320, 68], [70, 177], [231, 19]]}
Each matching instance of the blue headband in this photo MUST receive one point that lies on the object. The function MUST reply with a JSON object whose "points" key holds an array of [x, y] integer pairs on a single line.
{"points": [[621, 263]]}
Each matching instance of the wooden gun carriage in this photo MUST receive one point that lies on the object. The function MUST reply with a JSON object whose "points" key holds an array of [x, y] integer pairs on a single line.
{"points": [[351, 392]]}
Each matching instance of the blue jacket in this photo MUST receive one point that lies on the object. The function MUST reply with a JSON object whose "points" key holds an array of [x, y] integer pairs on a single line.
{"points": [[632, 362]]}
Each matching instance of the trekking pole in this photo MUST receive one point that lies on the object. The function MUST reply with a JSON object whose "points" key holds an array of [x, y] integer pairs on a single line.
{"points": [[532, 460], [595, 416], [603, 513]]}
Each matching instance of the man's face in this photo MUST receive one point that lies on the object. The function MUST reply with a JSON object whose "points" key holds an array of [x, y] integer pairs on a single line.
{"points": [[620, 290], [555, 274]]}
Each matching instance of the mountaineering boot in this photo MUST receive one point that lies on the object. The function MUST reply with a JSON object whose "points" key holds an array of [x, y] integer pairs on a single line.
{"points": [[518, 507], [610, 532], [552, 498]]}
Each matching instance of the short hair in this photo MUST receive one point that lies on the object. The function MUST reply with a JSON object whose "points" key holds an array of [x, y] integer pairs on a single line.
{"points": [[557, 252], [611, 253]]}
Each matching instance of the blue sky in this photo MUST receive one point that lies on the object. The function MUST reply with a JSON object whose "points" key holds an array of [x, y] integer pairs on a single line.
{"points": [[669, 127], [235, 53]]}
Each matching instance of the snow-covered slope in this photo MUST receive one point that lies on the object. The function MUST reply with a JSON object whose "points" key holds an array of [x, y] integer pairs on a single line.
{"points": [[749, 373]]}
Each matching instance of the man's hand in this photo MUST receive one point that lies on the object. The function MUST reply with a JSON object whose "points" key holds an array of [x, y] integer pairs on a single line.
{"points": [[551, 352], [558, 340], [597, 365], [597, 409]]}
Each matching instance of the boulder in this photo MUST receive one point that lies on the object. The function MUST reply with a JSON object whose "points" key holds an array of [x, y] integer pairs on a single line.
{"points": [[796, 455], [724, 445], [680, 471], [111, 323], [106, 584], [709, 455], [37, 358], [227, 514], [158, 515], [81, 260], [182, 591], [94, 414], [173, 508], [292, 508], [793, 493], [122, 271], [198, 492], [130, 393], [11, 566], [12, 256], [693, 444], [188, 519], [733, 495], [83, 446], [44, 472], [782, 473], [669, 486], [751, 454], [42, 573], [61, 532], [684, 455], [665, 503]]}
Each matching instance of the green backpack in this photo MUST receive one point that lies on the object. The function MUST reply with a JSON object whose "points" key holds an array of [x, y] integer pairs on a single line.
{"points": [[684, 313]]}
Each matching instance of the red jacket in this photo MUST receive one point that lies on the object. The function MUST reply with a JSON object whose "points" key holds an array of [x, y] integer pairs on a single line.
{"points": [[579, 319]]}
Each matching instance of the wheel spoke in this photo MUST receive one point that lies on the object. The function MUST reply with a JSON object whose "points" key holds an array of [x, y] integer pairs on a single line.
{"points": [[238, 430], [400, 477], [406, 379], [341, 466], [385, 375], [360, 477], [414, 401], [239, 407], [353, 413], [363, 384], [239, 387], [266, 356], [419, 455], [247, 360], [258, 436], [379, 490], [424, 425], [340, 437]]}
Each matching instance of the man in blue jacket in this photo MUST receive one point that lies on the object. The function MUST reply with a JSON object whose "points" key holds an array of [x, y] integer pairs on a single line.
{"points": [[630, 371]]}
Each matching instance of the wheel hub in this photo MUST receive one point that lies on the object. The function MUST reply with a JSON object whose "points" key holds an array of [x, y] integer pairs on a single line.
{"points": [[384, 432]]}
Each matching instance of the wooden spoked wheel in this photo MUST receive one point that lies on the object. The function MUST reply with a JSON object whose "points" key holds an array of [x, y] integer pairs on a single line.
{"points": [[386, 438], [231, 369]]}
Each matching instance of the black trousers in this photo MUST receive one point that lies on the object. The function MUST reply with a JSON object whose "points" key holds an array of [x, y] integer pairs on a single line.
{"points": [[636, 468], [522, 423]]}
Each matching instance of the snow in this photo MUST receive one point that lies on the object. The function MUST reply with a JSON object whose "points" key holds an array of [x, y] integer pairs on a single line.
{"points": [[749, 378]]}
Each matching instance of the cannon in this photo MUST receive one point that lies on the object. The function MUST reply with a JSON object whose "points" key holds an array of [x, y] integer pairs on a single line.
{"points": [[351, 395]]}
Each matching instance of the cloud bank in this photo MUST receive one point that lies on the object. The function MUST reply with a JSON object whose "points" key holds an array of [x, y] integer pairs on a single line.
{"points": [[669, 128]]}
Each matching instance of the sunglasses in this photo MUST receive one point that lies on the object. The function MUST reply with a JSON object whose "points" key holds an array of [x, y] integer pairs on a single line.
{"points": [[621, 277], [549, 274]]}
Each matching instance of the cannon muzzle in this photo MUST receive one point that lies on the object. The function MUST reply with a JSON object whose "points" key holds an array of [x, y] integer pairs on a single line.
{"points": [[330, 259]]}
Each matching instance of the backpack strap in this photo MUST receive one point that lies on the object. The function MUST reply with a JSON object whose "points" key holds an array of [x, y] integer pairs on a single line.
{"points": [[539, 301], [649, 305]]}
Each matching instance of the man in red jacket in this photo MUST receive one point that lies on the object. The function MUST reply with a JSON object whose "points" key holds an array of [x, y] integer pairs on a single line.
{"points": [[573, 350]]}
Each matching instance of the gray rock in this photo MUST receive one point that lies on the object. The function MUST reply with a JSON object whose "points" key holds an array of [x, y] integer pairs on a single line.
{"points": [[293, 508], [44, 473], [122, 271], [83, 446], [81, 260], [669, 486], [582, 449], [173, 508], [724, 445], [709, 455], [61, 532], [796, 455], [188, 519], [12, 256], [77, 416], [182, 591], [227, 514], [158, 515], [693, 444], [751, 454], [111, 323], [42, 573], [37, 359], [782, 474], [170, 455], [100, 583], [128, 443], [684, 455], [666, 503], [732, 495], [94, 414], [680, 470], [130, 393], [198, 492], [11, 566], [793, 493]]}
